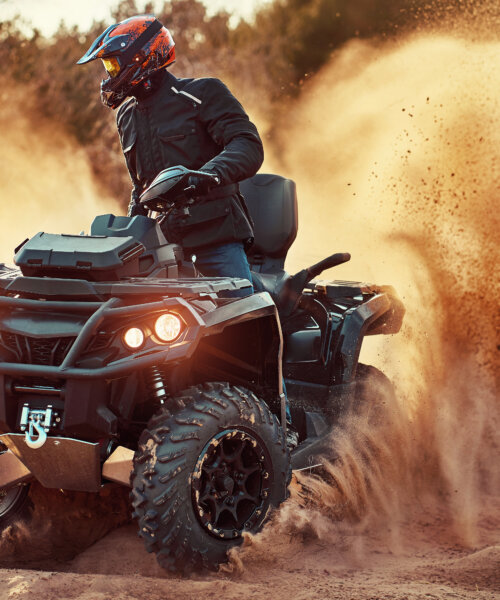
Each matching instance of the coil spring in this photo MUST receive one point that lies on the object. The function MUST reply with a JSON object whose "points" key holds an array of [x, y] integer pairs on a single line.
{"points": [[155, 382]]}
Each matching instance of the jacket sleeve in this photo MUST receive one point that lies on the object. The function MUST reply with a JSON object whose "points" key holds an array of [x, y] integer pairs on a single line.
{"points": [[229, 126], [133, 207]]}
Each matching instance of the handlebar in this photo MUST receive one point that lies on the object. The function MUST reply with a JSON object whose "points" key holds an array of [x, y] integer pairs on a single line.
{"points": [[170, 186], [289, 296], [328, 263]]}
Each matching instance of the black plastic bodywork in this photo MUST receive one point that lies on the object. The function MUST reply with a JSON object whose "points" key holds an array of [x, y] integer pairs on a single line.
{"points": [[84, 373], [97, 384], [117, 247], [323, 340], [63, 319]]}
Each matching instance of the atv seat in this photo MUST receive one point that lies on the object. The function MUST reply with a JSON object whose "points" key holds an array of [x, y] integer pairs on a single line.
{"points": [[272, 203]]}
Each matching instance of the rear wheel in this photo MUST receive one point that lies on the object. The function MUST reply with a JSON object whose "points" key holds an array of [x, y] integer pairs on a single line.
{"points": [[374, 393], [206, 473]]}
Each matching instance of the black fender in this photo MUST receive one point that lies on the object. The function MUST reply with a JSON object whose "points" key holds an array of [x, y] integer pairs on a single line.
{"points": [[383, 313]]}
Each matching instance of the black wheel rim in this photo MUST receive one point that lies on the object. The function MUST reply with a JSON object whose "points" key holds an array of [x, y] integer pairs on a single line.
{"points": [[231, 484], [9, 499]]}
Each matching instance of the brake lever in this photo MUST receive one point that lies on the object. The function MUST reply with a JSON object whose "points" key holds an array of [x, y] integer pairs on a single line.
{"points": [[189, 191], [184, 211], [163, 213]]}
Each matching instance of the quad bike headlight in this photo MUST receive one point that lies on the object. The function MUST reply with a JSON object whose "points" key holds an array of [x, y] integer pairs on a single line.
{"points": [[168, 327], [134, 338]]}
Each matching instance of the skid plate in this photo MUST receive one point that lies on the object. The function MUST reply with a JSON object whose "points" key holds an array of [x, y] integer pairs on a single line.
{"points": [[60, 463]]}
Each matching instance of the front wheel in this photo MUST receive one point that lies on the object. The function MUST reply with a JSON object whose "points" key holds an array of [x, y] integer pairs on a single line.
{"points": [[15, 504], [207, 472]]}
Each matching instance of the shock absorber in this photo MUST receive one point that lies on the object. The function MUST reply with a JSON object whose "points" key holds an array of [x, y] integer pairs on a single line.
{"points": [[157, 387]]}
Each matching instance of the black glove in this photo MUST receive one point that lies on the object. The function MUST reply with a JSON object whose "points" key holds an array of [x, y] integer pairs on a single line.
{"points": [[134, 208], [200, 186]]}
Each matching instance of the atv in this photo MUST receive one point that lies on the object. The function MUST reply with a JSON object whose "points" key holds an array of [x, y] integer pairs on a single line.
{"points": [[120, 363]]}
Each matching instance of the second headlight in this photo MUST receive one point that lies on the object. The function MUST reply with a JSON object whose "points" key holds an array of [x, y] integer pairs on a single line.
{"points": [[168, 327], [134, 338]]}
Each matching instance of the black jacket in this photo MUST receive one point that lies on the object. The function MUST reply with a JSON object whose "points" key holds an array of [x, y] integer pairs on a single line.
{"points": [[199, 124]]}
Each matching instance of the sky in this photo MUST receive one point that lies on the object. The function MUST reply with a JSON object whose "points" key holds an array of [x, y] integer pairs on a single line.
{"points": [[47, 14]]}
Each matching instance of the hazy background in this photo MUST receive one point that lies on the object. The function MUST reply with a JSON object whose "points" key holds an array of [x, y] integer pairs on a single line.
{"points": [[46, 15], [386, 113], [269, 57]]}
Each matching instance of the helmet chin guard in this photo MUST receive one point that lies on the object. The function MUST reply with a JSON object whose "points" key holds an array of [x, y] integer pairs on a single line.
{"points": [[137, 48], [113, 91]]}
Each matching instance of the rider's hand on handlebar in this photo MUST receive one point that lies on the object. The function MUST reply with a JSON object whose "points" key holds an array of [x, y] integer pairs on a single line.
{"points": [[199, 185]]}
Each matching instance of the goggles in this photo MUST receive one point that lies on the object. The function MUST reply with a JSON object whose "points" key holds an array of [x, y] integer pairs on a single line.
{"points": [[111, 65]]}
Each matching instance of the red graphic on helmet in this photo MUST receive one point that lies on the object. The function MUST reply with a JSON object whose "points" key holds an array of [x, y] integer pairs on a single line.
{"points": [[131, 51]]}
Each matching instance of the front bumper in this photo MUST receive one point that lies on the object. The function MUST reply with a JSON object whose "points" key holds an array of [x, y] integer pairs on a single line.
{"points": [[82, 395], [105, 312], [88, 401]]}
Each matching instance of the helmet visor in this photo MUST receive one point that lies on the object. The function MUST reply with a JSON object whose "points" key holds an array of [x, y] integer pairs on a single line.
{"points": [[111, 65]]}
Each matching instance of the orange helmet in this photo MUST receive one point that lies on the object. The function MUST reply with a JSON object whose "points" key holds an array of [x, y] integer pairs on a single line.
{"points": [[131, 52]]}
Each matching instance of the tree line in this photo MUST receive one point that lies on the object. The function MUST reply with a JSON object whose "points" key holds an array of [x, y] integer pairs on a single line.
{"points": [[268, 60]]}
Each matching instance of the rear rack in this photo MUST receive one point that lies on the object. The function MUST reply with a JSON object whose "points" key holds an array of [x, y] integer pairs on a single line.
{"points": [[339, 288]]}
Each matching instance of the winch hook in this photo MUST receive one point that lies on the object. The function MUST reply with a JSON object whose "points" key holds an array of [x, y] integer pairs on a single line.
{"points": [[42, 435]]}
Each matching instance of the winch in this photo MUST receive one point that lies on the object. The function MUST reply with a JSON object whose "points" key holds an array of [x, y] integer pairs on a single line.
{"points": [[36, 423]]}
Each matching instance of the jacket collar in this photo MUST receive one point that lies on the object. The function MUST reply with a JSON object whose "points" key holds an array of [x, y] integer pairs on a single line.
{"points": [[169, 80], [160, 81]]}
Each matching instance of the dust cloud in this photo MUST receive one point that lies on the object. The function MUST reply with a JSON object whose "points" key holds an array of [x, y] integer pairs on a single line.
{"points": [[47, 184], [395, 151]]}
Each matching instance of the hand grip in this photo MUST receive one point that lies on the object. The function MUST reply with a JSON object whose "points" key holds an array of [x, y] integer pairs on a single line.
{"points": [[328, 263]]}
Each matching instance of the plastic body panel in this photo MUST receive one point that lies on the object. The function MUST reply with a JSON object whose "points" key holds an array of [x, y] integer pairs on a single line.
{"points": [[83, 385], [118, 247], [344, 312]]}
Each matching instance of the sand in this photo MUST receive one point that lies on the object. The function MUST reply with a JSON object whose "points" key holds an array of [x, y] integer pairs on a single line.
{"points": [[428, 564]]}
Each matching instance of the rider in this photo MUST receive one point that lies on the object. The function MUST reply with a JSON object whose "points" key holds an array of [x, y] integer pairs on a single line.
{"points": [[163, 122], [196, 123]]}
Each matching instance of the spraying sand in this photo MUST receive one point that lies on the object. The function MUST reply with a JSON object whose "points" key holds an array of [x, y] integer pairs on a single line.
{"points": [[395, 153], [410, 190], [47, 183]]}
